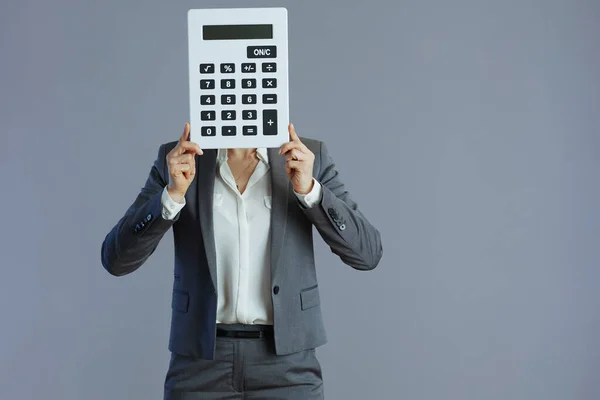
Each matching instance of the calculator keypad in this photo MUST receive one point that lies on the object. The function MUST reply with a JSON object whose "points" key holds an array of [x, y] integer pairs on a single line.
{"points": [[253, 84]]}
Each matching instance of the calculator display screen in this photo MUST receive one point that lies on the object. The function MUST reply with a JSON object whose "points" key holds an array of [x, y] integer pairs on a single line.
{"points": [[229, 32]]}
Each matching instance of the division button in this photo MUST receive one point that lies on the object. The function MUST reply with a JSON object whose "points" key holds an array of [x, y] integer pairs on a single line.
{"points": [[269, 67]]}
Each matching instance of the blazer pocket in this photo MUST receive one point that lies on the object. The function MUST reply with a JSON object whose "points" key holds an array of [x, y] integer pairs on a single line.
{"points": [[268, 201], [218, 199], [181, 301], [309, 297]]}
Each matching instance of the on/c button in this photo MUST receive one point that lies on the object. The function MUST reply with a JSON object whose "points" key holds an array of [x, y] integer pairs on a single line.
{"points": [[262, 52]]}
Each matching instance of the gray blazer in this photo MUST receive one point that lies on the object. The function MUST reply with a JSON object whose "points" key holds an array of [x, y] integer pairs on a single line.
{"points": [[298, 322]]}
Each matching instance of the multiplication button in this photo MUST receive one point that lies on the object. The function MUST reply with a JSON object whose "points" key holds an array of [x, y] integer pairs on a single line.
{"points": [[269, 122], [269, 83]]}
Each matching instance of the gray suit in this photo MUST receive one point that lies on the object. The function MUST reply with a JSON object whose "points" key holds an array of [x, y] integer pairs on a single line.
{"points": [[298, 324]]}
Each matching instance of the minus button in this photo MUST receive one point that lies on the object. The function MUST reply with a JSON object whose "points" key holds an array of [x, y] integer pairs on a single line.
{"points": [[269, 98]]}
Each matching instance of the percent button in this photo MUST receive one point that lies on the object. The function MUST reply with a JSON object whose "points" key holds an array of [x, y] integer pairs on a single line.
{"points": [[227, 68]]}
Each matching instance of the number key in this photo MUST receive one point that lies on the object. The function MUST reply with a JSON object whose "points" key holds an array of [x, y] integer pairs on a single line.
{"points": [[228, 99], [207, 84], [228, 115], [208, 131], [227, 83], [249, 99], [249, 114], [208, 115], [207, 99], [249, 83]]}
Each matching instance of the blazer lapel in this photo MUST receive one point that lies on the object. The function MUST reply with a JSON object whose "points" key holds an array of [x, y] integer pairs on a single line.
{"points": [[280, 187], [205, 178]]}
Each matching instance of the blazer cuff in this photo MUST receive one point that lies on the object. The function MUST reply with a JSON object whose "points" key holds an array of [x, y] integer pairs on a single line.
{"points": [[146, 222]]}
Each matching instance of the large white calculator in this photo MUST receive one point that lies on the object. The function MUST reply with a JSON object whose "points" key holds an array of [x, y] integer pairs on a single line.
{"points": [[238, 67]]}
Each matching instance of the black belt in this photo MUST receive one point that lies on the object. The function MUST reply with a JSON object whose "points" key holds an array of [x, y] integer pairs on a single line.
{"points": [[244, 331]]}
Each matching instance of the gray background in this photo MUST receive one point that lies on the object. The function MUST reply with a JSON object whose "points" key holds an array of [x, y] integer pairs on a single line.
{"points": [[468, 132]]}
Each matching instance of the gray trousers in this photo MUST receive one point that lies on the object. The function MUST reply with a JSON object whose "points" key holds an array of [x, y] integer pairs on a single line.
{"points": [[245, 369]]}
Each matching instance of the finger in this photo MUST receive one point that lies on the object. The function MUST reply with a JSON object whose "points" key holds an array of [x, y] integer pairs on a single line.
{"points": [[295, 155], [181, 168], [289, 146], [292, 131], [293, 165], [186, 133], [191, 147], [187, 158]]}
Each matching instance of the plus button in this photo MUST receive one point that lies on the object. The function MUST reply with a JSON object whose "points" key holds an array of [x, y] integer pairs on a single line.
{"points": [[270, 122]]}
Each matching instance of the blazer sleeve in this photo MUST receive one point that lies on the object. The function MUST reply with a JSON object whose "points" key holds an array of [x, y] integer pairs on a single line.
{"points": [[340, 223], [136, 235]]}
